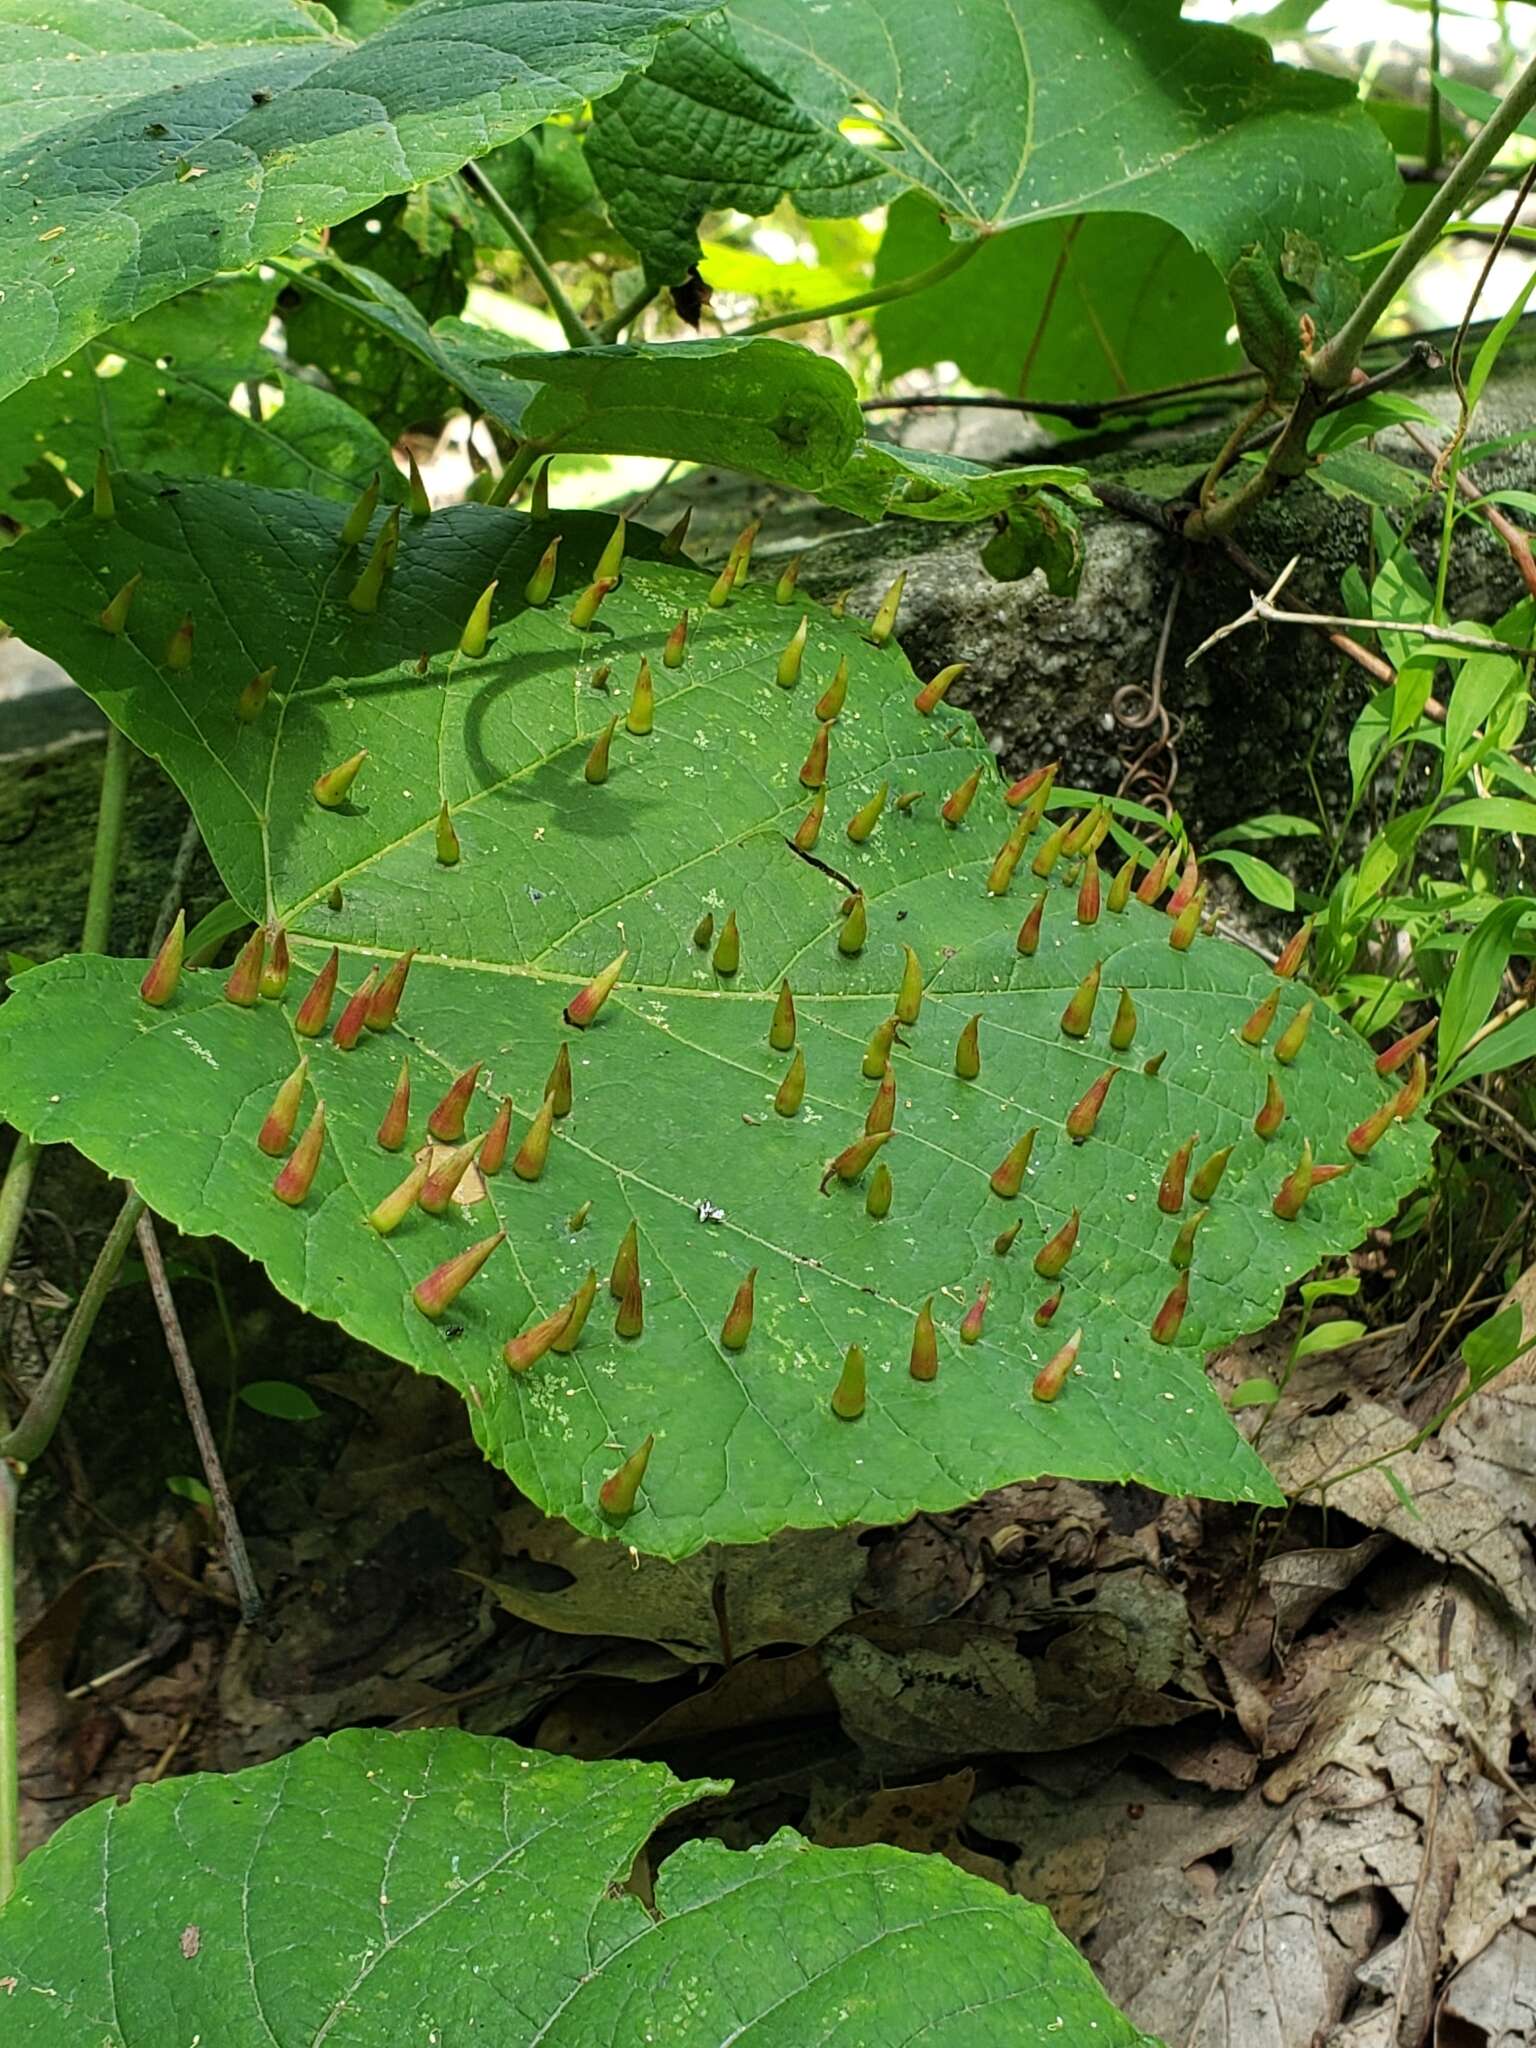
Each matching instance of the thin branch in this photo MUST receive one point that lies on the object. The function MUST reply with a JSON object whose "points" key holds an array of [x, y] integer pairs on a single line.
{"points": [[572, 326], [30, 1438], [197, 1415], [877, 295], [10, 1702], [1337, 357], [1264, 610]]}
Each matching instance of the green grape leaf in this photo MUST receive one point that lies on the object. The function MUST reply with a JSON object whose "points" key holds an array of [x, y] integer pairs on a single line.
{"points": [[1002, 114], [1075, 309], [675, 1083], [734, 136], [233, 128], [155, 394], [373, 1889]]}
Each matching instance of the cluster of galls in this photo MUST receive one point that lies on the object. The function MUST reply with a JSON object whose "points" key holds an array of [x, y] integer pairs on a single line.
{"points": [[261, 970]]}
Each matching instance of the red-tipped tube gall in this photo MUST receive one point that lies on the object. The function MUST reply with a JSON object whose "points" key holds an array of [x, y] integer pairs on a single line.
{"points": [[533, 1153], [704, 931], [1008, 1177], [936, 689], [1256, 1029], [1170, 1189], [446, 1123], [1083, 1116], [808, 831], [445, 839], [867, 816], [385, 1001], [1208, 1174], [275, 968], [626, 1260], [1294, 1036], [1398, 1055], [585, 609], [523, 1352], [958, 802], [629, 1317], [442, 1287], [1411, 1094], [1052, 1376], [1183, 1251], [726, 958], [791, 1092], [397, 1118], [1120, 887], [813, 771], [877, 1196], [577, 1309], [1028, 940], [161, 981], [1051, 1259], [1020, 792], [883, 624], [832, 699], [1295, 952], [349, 1025], [277, 1127], [114, 614], [596, 769], [1002, 1244], [1049, 851], [781, 1030], [360, 516], [441, 1183], [1272, 1110], [1188, 883], [583, 1008], [298, 1175], [849, 1395], [399, 1203], [1046, 1312], [675, 648], [851, 1162], [975, 1316], [314, 1012], [1150, 887], [610, 563], [787, 674], [558, 1091], [332, 789], [244, 984], [676, 537], [1077, 1017], [641, 715], [619, 1491], [178, 649], [737, 1327], [477, 627], [1375, 1127], [492, 1155], [1089, 894], [789, 576], [882, 1110], [968, 1050], [1296, 1186], [877, 1050], [909, 996], [854, 929], [253, 698], [924, 1361], [1123, 1029], [539, 585], [1185, 926], [1165, 1324], [1000, 874]]}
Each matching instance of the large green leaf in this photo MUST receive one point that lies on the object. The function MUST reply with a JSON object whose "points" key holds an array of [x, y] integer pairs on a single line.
{"points": [[375, 1890], [1005, 113], [1082, 309], [146, 148], [674, 1084], [155, 394], [734, 137]]}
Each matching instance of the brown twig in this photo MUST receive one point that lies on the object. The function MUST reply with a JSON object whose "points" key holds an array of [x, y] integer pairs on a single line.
{"points": [[197, 1415], [1263, 610]]}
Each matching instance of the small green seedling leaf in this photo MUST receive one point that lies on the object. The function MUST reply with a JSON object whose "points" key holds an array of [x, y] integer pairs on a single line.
{"points": [[1254, 1393], [1493, 1345], [1329, 1337], [280, 1398]]}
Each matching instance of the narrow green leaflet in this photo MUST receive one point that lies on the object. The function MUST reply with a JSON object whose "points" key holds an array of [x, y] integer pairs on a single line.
{"points": [[156, 394], [673, 1126], [734, 137], [1072, 310], [373, 1889], [142, 149], [1005, 113]]}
